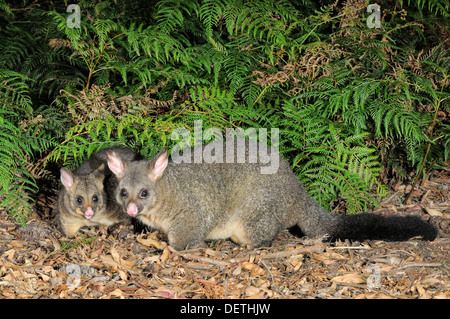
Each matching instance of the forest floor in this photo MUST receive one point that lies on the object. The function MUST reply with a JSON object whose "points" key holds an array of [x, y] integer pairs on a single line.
{"points": [[37, 262]]}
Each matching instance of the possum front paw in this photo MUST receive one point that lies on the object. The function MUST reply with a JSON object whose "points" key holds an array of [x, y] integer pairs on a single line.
{"points": [[180, 243]]}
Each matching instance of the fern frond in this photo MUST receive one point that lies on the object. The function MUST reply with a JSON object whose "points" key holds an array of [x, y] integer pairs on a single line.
{"points": [[332, 157], [16, 182], [15, 91]]}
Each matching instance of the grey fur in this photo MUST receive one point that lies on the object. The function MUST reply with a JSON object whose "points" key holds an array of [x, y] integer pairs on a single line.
{"points": [[193, 202], [91, 178]]}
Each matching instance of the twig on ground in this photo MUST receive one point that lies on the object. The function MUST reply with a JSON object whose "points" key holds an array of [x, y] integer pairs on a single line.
{"points": [[303, 250], [205, 260], [421, 265]]}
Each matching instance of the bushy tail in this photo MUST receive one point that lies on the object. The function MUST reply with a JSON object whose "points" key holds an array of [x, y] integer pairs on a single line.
{"points": [[371, 226]]}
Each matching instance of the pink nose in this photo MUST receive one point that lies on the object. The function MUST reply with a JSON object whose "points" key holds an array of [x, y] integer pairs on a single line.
{"points": [[88, 213], [132, 209]]}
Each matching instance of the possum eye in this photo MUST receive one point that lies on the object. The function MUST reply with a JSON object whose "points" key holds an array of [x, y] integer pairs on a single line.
{"points": [[95, 198], [79, 200], [143, 193], [123, 192]]}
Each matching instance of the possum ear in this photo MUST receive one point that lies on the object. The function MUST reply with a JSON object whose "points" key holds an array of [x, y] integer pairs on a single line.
{"points": [[115, 164], [157, 165], [66, 178]]}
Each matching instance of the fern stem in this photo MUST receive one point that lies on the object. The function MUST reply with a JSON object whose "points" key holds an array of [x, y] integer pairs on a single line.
{"points": [[260, 95], [93, 64]]}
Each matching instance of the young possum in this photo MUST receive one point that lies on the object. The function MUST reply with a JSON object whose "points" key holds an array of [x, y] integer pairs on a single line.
{"points": [[194, 202], [87, 196]]}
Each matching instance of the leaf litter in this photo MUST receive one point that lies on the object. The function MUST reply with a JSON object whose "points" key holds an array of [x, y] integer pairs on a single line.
{"points": [[36, 261]]}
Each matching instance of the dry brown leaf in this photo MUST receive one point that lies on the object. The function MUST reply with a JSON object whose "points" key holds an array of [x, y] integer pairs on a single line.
{"points": [[211, 252], [128, 264], [164, 292], [211, 281], [422, 292], [253, 268], [237, 271], [123, 275], [149, 242], [165, 254], [108, 260], [377, 295], [115, 266], [48, 269], [431, 281], [433, 212], [45, 277], [99, 287], [251, 291], [115, 255], [352, 278], [116, 293], [9, 254], [9, 293], [296, 264], [444, 295]]}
